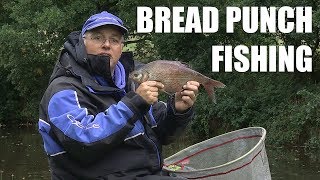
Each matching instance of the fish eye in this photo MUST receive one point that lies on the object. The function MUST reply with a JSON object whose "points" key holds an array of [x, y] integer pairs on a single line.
{"points": [[137, 75]]}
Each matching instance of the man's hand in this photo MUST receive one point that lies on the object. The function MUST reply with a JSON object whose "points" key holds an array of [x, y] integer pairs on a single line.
{"points": [[186, 98], [149, 91]]}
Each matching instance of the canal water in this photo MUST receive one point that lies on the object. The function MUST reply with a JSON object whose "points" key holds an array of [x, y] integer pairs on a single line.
{"points": [[22, 157]]}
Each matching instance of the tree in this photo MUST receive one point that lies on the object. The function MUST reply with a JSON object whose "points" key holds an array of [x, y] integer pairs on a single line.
{"points": [[31, 36]]}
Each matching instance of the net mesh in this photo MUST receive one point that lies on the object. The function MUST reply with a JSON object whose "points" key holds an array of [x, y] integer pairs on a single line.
{"points": [[237, 155]]}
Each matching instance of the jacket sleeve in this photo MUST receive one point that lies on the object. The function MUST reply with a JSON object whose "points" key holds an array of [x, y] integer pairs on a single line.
{"points": [[170, 124], [82, 134]]}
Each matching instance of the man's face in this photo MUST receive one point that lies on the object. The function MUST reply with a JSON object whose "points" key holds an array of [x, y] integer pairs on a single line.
{"points": [[105, 40]]}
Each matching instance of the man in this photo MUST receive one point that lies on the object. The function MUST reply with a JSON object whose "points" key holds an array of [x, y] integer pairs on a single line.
{"points": [[92, 124]]}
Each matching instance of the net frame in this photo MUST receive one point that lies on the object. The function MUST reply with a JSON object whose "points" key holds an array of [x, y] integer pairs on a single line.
{"points": [[250, 165]]}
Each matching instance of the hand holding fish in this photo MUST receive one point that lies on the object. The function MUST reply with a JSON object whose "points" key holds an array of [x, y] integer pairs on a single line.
{"points": [[173, 75], [186, 98], [149, 91]]}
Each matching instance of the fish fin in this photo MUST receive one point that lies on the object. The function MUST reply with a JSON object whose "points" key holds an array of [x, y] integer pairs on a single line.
{"points": [[181, 63], [209, 87], [166, 92], [187, 65]]}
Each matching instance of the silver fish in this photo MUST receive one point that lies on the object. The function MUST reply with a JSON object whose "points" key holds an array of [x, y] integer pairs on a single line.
{"points": [[173, 75]]}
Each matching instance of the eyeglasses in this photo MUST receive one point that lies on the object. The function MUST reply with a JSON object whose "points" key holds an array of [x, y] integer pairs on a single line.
{"points": [[101, 40]]}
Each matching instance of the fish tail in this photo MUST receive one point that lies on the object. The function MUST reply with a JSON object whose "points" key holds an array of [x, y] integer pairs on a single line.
{"points": [[209, 86]]}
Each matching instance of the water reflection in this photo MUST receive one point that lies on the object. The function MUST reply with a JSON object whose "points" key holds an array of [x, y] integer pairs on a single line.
{"points": [[294, 164], [22, 157]]}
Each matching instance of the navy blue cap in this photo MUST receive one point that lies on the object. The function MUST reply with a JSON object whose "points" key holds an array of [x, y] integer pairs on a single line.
{"points": [[103, 18]]}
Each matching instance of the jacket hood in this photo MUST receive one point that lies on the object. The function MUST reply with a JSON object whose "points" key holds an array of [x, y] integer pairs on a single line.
{"points": [[76, 48]]}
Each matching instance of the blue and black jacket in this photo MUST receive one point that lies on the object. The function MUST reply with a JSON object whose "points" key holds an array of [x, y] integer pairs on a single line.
{"points": [[92, 129]]}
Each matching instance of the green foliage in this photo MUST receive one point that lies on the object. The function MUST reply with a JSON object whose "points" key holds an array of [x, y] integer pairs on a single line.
{"points": [[10, 101], [300, 121], [31, 35]]}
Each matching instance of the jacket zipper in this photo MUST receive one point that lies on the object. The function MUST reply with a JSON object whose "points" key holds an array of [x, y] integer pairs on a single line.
{"points": [[154, 144]]}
